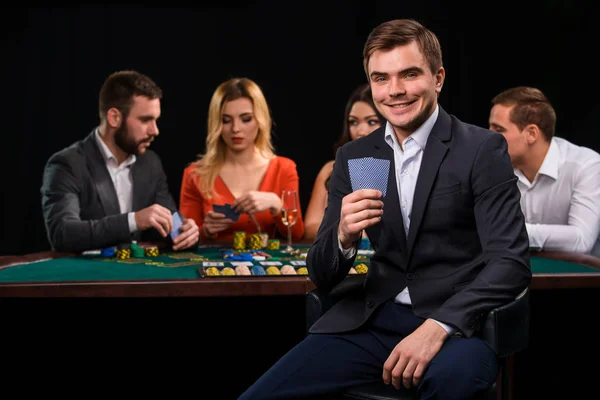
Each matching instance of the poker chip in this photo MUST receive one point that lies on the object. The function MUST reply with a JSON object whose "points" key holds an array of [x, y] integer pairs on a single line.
{"points": [[108, 252], [255, 242], [273, 244], [227, 271], [264, 240], [273, 271], [302, 271], [258, 270], [361, 268], [151, 251], [123, 254], [288, 270], [136, 251], [239, 240]]}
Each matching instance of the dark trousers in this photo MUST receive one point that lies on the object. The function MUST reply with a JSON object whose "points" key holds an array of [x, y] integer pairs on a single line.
{"points": [[325, 364]]}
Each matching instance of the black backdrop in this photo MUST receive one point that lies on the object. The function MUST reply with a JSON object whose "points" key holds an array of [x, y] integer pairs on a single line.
{"points": [[305, 56]]}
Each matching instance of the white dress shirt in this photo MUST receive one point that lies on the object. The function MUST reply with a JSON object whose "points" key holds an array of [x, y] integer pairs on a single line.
{"points": [[407, 161], [562, 204], [122, 180]]}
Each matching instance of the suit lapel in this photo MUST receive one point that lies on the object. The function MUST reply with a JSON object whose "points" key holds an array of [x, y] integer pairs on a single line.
{"points": [[434, 153], [102, 180]]}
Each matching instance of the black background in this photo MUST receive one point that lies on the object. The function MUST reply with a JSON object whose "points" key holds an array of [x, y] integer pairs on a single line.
{"points": [[307, 57]]}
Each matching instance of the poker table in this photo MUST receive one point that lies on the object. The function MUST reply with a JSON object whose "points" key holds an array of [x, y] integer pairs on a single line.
{"points": [[47, 299], [49, 274]]}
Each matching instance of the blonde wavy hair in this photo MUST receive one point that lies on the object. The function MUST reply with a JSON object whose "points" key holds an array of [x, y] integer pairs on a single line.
{"points": [[209, 164]]}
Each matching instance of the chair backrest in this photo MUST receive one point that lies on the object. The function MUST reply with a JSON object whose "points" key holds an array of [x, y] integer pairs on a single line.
{"points": [[506, 328]]}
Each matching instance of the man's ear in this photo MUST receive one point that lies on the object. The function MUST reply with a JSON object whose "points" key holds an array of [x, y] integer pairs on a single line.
{"points": [[114, 118], [533, 133], [439, 79]]}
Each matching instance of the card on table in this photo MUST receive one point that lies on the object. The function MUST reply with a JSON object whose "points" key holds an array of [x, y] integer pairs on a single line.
{"points": [[369, 173]]}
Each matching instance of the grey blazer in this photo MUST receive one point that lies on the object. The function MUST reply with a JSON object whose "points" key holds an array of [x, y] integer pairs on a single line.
{"points": [[79, 201], [467, 249]]}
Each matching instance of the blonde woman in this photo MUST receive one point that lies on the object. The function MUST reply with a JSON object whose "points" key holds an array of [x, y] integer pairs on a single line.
{"points": [[239, 168]]}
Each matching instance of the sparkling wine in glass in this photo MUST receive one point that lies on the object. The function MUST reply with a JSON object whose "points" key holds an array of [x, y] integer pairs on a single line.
{"points": [[289, 214]]}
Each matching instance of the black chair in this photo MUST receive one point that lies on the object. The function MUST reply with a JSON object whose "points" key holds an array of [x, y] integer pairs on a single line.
{"points": [[505, 330]]}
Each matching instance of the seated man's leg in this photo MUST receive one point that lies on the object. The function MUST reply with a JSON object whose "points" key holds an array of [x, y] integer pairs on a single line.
{"points": [[463, 369], [322, 364]]}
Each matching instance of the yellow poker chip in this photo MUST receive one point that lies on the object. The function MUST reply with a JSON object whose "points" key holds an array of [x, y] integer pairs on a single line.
{"points": [[361, 268]]}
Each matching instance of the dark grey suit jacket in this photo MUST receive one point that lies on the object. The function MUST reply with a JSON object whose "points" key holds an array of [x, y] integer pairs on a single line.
{"points": [[467, 247], [80, 204]]}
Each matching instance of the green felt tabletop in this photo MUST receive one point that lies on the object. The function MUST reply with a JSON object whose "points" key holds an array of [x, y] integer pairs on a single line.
{"points": [[184, 265]]}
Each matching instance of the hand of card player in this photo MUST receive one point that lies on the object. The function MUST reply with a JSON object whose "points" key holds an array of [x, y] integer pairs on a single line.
{"points": [[227, 210], [220, 219], [363, 207], [185, 232]]}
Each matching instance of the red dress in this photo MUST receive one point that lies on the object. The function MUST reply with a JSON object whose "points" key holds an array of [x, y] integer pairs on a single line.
{"points": [[281, 175]]}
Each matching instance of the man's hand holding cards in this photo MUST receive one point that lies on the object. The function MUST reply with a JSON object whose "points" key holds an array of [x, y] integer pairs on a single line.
{"points": [[184, 232], [363, 207]]}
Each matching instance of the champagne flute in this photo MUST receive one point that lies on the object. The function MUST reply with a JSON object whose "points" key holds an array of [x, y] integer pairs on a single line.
{"points": [[289, 214]]}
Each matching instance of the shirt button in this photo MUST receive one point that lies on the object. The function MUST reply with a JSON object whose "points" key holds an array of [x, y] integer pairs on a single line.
{"points": [[410, 276], [370, 304], [405, 172]]}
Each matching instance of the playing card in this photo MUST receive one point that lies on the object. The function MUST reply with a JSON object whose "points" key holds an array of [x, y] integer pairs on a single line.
{"points": [[369, 173], [177, 222], [231, 213], [226, 210]]}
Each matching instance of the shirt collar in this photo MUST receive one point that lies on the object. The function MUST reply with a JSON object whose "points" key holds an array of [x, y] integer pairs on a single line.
{"points": [[108, 155], [550, 164], [420, 135]]}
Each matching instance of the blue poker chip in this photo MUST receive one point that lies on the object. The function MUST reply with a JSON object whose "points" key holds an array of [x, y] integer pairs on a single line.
{"points": [[258, 270], [108, 251], [246, 257]]}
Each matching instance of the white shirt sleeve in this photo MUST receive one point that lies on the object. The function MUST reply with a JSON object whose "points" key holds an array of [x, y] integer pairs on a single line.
{"points": [[349, 252], [581, 232], [131, 222], [449, 329]]}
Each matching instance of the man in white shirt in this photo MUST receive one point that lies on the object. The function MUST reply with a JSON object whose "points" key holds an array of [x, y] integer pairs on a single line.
{"points": [[559, 181]]}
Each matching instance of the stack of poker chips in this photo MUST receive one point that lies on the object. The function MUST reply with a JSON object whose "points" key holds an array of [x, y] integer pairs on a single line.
{"points": [[239, 240], [273, 244], [136, 251], [361, 268], [265, 240], [255, 242], [123, 251], [151, 251]]}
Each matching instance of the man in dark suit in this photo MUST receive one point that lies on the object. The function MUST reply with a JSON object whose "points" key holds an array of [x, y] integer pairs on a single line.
{"points": [[449, 238], [109, 188]]}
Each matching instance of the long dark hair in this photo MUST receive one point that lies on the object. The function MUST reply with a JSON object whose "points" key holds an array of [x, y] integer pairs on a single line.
{"points": [[361, 93]]}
